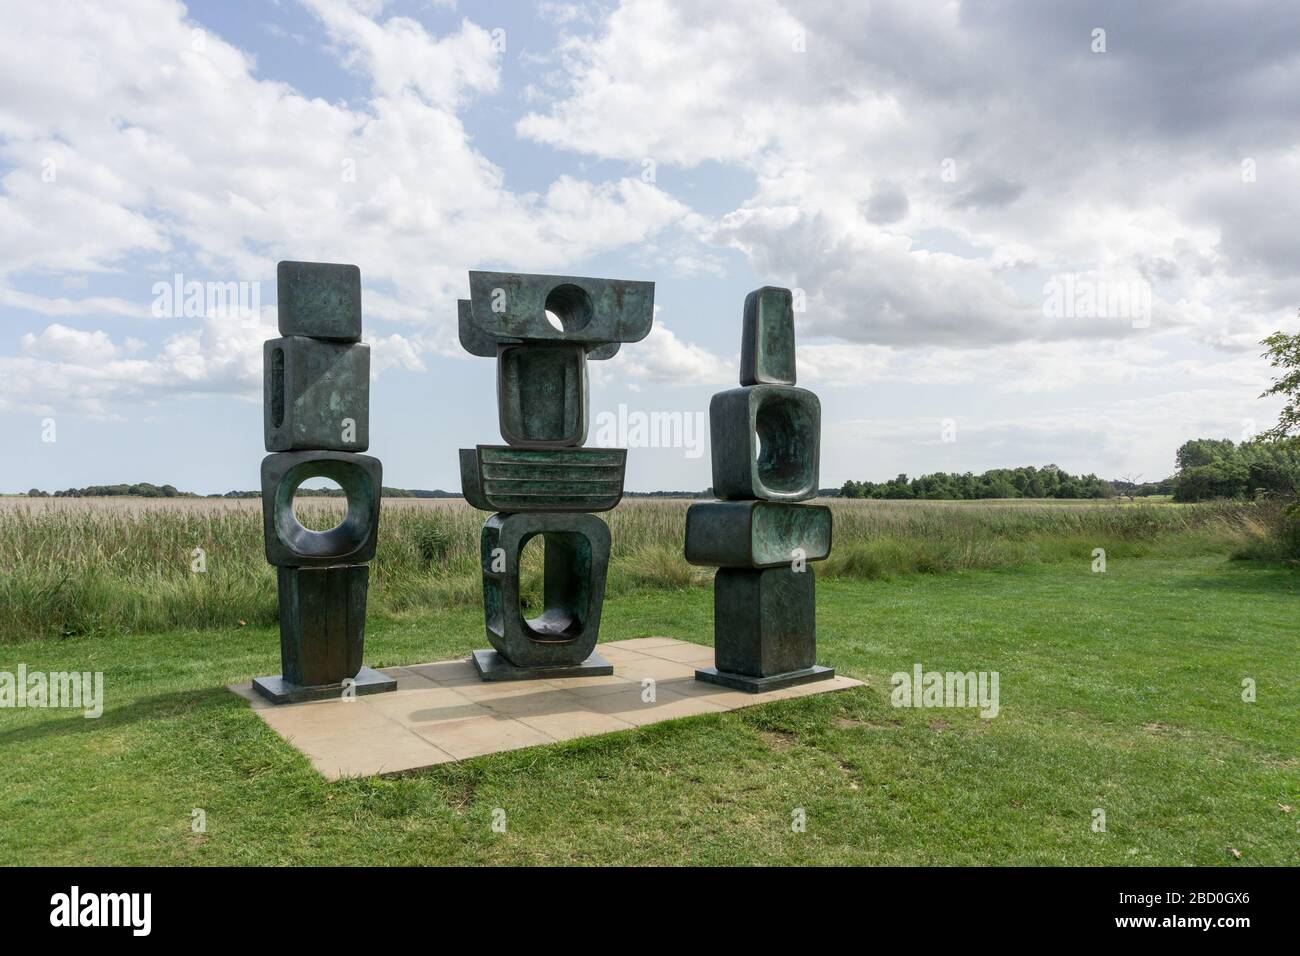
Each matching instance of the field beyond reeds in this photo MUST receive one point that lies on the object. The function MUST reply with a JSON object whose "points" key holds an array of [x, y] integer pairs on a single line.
{"points": [[85, 567]]}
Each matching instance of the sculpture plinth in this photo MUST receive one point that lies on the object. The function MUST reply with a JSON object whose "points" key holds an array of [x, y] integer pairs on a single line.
{"points": [[766, 438], [542, 482], [317, 423]]}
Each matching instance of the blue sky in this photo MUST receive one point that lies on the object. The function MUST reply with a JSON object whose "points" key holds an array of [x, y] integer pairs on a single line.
{"points": [[921, 175]]}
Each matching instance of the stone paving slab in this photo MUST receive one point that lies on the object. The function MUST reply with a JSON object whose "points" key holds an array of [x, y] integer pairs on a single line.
{"points": [[442, 712]]}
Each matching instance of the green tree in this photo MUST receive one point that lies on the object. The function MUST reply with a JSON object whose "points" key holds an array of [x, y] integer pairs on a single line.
{"points": [[1283, 352]]}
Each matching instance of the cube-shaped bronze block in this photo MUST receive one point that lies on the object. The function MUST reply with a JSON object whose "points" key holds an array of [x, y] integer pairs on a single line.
{"points": [[319, 299], [766, 443], [764, 621], [317, 395], [353, 541]]}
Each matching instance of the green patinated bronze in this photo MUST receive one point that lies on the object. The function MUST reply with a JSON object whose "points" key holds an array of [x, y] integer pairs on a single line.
{"points": [[767, 342], [317, 418], [769, 620], [542, 481], [321, 300], [542, 394], [512, 479], [317, 395], [288, 543], [576, 558], [766, 443], [322, 633], [756, 534], [510, 307]]}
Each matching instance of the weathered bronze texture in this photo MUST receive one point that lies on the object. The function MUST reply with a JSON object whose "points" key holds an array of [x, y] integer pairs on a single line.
{"points": [[542, 394], [766, 443], [353, 541], [317, 395], [317, 420], [766, 440], [542, 330], [756, 534], [769, 619], [767, 342], [511, 307], [576, 558], [476, 340], [319, 299], [511, 479], [323, 612]]}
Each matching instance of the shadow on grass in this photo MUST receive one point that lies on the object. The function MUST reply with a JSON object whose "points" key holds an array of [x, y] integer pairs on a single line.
{"points": [[1245, 577], [66, 722]]}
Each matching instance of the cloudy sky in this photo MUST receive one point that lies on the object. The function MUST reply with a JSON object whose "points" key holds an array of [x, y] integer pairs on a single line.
{"points": [[1021, 232]]}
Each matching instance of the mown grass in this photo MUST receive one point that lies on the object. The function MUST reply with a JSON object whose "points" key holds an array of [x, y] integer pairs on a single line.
{"points": [[1119, 691], [73, 567]]}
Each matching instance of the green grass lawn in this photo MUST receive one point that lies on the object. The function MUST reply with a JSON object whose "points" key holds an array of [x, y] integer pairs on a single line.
{"points": [[1120, 691]]}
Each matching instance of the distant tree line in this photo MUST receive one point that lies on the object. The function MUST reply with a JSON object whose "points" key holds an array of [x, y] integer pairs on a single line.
{"points": [[142, 490], [1218, 468], [146, 490], [1027, 482]]}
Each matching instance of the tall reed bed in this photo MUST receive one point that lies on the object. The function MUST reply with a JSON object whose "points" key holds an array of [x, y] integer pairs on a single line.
{"points": [[93, 566]]}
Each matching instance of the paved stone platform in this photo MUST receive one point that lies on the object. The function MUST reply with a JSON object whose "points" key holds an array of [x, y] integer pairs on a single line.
{"points": [[442, 711]]}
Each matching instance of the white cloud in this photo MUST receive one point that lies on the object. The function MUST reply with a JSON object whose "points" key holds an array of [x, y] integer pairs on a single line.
{"points": [[661, 358], [68, 370], [1061, 160], [58, 342], [400, 55], [204, 168], [94, 305]]}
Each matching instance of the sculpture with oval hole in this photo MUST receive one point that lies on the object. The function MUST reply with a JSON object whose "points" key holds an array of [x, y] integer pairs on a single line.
{"points": [[317, 421], [542, 330], [766, 446]]}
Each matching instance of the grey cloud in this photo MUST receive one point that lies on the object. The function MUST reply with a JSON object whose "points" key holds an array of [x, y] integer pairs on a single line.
{"points": [[990, 194], [888, 204]]}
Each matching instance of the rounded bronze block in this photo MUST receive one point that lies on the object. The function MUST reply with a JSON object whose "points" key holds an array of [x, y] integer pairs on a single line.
{"points": [[576, 561], [542, 394], [317, 395], [764, 621], [353, 541], [766, 443], [319, 299], [756, 534], [767, 343]]}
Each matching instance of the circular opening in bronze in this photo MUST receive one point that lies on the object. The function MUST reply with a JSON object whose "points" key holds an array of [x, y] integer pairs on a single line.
{"points": [[570, 306], [346, 537], [322, 507]]}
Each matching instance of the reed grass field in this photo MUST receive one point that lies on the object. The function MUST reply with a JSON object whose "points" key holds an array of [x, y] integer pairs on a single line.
{"points": [[100, 566]]}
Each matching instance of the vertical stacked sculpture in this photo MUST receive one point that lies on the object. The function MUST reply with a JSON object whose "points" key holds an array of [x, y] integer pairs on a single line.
{"points": [[766, 438], [542, 481], [317, 422]]}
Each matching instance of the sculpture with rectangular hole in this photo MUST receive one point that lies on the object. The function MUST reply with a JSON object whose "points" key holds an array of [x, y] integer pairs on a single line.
{"points": [[542, 330], [766, 438], [317, 423]]}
